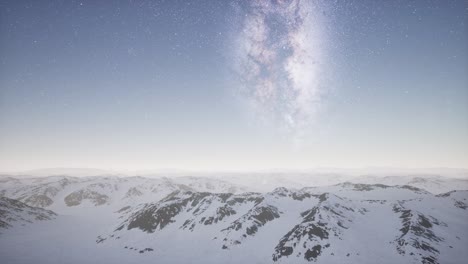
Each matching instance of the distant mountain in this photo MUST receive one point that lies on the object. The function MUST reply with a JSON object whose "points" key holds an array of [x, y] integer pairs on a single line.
{"points": [[59, 192]]}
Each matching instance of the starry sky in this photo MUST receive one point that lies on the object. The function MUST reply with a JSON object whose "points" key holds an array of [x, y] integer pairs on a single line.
{"points": [[233, 84]]}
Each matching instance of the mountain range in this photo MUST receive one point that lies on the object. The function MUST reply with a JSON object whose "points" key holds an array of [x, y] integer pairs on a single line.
{"points": [[258, 218]]}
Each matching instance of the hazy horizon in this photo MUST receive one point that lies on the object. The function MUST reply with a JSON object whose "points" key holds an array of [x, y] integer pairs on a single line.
{"points": [[319, 171]]}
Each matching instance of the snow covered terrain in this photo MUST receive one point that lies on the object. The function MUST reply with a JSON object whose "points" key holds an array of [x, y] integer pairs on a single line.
{"points": [[234, 218], [14, 213]]}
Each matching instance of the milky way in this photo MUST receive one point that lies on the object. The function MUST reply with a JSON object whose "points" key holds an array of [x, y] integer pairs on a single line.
{"points": [[280, 58]]}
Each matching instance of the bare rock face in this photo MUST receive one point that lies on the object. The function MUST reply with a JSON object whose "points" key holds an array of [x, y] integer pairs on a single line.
{"points": [[39, 200], [77, 197], [310, 237], [156, 216], [249, 224], [133, 192], [417, 237]]}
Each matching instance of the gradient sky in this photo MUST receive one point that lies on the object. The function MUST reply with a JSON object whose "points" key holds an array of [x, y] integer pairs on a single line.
{"points": [[173, 84]]}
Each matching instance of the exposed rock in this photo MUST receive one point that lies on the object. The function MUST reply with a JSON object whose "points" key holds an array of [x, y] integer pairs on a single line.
{"points": [[76, 198]]}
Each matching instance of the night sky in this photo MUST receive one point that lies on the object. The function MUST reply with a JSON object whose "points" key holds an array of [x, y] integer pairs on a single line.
{"points": [[233, 85]]}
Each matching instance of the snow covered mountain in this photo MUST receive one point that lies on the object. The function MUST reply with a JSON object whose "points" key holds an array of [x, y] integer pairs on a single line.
{"points": [[14, 213], [328, 219], [390, 224], [59, 193]]}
